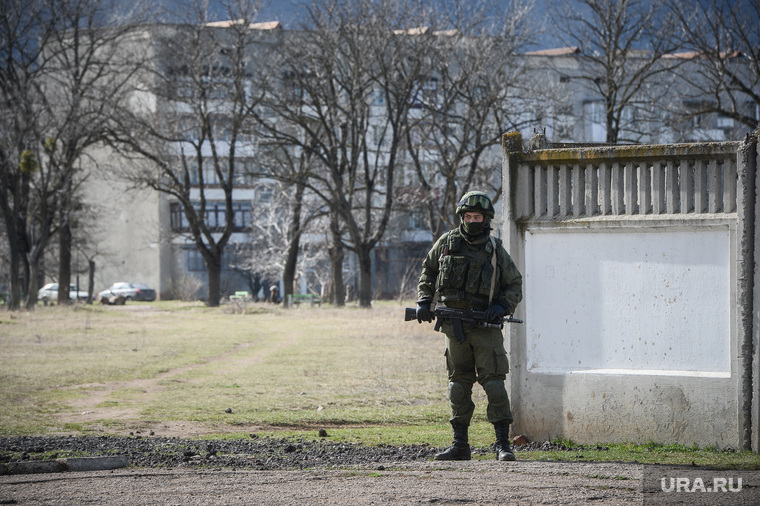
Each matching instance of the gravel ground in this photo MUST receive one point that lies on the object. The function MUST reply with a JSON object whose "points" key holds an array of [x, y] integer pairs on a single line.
{"points": [[317, 471], [257, 453]]}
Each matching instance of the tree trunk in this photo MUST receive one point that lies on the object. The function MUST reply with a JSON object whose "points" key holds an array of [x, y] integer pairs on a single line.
{"points": [[26, 284], [32, 285], [336, 254], [612, 131], [289, 271], [34, 269], [91, 282], [291, 260], [64, 264], [365, 277], [338, 291], [214, 282], [256, 285], [14, 293]]}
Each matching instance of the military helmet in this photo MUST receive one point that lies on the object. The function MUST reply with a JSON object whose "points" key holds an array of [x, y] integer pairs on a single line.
{"points": [[476, 201]]}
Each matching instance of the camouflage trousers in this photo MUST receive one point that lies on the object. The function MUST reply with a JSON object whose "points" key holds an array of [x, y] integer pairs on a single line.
{"points": [[480, 358]]}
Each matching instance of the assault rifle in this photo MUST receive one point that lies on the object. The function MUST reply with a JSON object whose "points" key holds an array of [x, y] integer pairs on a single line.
{"points": [[458, 317]]}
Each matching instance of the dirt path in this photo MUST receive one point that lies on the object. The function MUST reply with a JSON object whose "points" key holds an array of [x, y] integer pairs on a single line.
{"points": [[474, 482], [94, 405]]}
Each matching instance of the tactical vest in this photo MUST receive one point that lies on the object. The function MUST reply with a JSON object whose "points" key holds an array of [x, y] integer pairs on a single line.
{"points": [[465, 272]]}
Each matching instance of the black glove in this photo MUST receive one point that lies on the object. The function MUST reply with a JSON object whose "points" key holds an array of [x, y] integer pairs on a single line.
{"points": [[423, 311], [493, 313]]}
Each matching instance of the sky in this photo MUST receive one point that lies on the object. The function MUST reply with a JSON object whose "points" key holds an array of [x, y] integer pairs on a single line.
{"points": [[285, 11], [289, 11]]}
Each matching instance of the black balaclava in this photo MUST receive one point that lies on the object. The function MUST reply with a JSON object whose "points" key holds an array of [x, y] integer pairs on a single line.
{"points": [[475, 230]]}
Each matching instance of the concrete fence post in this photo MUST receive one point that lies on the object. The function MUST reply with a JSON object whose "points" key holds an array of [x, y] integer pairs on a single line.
{"points": [[747, 319]]}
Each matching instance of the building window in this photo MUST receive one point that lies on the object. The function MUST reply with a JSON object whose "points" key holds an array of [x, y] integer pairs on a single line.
{"points": [[209, 174], [430, 91], [595, 111], [725, 122], [427, 94], [214, 217], [243, 215], [188, 128], [233, 256], [417, 220], [265, 194], [245, 172], [178, 218], [216, 87], [192, 169], [221, 128], [377, 135], [293, 90], [194, 260], [378, 97], [182, 88], [563, 127]]}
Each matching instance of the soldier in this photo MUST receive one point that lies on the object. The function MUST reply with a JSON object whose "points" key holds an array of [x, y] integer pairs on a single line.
{"points": [[472, 270]]}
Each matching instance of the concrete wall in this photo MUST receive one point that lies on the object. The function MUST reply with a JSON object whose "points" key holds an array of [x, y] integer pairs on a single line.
{"points": [[636, 324]]}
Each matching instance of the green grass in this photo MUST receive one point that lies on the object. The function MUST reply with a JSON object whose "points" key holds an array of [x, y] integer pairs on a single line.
{"points": [[365, 376], [650, 454]]}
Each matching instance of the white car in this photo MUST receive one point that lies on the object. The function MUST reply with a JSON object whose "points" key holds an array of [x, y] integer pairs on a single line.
{"points": [[130, 291], [49, 293]]}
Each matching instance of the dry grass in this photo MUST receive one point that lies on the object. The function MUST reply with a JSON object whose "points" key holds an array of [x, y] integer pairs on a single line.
{"points": [[95, 368]]}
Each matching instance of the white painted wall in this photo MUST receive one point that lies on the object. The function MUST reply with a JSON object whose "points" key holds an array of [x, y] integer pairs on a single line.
{"points": [[628, 302]]}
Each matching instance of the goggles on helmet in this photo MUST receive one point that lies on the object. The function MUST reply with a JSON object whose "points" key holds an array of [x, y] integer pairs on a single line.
{"points": [[475, 202]]}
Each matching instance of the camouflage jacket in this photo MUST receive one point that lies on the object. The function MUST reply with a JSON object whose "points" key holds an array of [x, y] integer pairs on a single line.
{"points": [[462, 272]]}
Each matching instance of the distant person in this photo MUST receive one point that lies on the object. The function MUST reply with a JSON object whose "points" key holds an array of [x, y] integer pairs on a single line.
{"points": [[274, 294], [460, 266]]}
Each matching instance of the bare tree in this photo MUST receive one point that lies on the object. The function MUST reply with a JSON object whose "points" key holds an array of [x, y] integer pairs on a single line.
{"points": [[276, 250], [723, 76], [85, 76], [621, 47], [349, 83], [58, 79], [200, 133], [291, 169], [475, 93], [23, 30]]}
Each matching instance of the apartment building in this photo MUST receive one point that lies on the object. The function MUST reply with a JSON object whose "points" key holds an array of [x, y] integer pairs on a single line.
{"points": [[143, 234]]}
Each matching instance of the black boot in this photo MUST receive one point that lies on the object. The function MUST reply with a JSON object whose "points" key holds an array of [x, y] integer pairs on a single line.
{"points": [[460, 449], [503, 450]]}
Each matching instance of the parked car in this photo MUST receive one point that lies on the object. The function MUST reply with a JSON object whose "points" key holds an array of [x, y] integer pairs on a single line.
{"points": [[130, 291], [49, 293]]}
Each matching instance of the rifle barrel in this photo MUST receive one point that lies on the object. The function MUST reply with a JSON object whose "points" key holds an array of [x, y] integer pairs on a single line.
{"points": [[410, 314]]}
